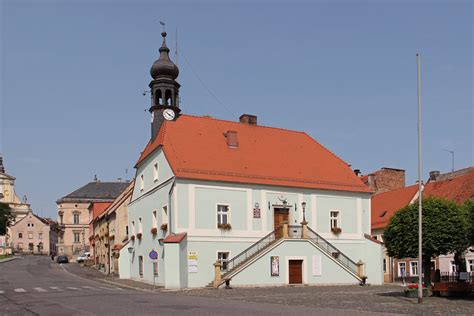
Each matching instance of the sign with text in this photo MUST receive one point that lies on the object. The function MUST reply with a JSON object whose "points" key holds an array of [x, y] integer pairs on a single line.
{"points": [[256, 212], [192, 262]]}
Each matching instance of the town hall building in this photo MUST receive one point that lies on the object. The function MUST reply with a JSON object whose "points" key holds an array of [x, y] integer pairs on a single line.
{"points": [[220, 202]]}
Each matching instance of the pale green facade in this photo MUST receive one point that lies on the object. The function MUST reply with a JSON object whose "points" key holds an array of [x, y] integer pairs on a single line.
{"points": [[192, 209]]}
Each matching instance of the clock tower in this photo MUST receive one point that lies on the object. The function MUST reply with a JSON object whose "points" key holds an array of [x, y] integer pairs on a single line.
{"points": [[164, 89]]}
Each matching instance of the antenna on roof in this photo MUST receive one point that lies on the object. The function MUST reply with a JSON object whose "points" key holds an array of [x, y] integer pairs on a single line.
{"points": [[452, 158]]}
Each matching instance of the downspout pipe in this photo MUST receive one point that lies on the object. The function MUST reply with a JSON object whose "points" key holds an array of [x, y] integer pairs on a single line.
{"points": [[170, 207]]}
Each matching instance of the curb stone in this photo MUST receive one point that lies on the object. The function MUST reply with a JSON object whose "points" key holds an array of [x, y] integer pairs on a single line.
{"points": [[9, 259]]}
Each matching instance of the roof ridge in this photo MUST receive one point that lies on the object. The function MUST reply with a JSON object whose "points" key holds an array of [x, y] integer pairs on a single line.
{"points": [[235, 122], [398, 189]]}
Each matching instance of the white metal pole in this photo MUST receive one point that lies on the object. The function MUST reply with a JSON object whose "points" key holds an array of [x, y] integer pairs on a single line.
{"points": [[420, 194]]}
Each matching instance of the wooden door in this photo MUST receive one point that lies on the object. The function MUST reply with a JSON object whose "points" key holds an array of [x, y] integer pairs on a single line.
{"points": [[280, 215], [295, 271]]}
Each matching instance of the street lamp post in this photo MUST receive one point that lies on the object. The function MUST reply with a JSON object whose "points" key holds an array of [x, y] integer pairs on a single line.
{"points": [[304, 211]]}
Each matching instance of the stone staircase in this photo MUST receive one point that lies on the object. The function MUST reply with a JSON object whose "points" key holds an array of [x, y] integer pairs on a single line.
{"points": [[243, 259]]}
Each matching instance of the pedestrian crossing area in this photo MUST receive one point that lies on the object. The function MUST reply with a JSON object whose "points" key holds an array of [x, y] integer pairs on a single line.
{"points": [[56, 289]]}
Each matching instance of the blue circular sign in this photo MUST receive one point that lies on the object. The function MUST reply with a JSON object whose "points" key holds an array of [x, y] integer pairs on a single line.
{"points": [[153, 255]]}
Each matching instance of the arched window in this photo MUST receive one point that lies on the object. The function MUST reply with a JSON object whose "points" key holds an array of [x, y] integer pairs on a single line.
{"points": [[168, 97], [158, 97], [140, 227]]}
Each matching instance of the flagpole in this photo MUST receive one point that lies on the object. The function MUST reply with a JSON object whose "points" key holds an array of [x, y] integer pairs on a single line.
{"points": [[420, 193]]}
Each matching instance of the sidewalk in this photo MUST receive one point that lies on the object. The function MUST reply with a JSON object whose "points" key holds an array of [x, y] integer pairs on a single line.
{"points": [[8, 259], [92, 273]]}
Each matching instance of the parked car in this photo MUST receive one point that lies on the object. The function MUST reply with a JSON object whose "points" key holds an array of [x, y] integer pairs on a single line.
{"points": [[85, 256], [62, 259]]}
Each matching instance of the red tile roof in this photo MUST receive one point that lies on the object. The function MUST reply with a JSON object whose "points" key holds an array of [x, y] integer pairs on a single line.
{"points": [[196, 148], [98, 208], [458, 189], [385, 205], [170, 239]]}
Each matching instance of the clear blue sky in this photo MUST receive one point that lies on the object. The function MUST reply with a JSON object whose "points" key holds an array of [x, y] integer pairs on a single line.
{"points": [[73, 72]]}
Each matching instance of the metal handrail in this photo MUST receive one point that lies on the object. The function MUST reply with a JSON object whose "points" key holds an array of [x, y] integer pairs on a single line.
{"points": [[330, 249], [250, 251]]}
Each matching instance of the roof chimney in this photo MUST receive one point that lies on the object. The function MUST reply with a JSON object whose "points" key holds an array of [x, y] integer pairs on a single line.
{"points": [[231, 138], [357, 172], [434, 175], [248, 119]]}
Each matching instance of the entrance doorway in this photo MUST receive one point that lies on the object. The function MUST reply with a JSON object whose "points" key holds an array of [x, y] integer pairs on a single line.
{"points": [[295, 271], [280, 215]]}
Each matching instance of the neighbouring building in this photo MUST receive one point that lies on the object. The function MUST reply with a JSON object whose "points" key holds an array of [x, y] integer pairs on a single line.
{"points": [[19, 207], [111, 229], [74, 216], [33, 234], [457, 186], [385, 179], [218, 201]]}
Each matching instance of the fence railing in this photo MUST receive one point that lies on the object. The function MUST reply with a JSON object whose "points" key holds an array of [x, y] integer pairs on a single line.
{"points": [[453, 277], [251, 251], [333, 251]]}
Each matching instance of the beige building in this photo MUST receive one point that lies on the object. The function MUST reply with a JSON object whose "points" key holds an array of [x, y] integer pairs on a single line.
{"points": [[35, 235], [19, 207], [111, 229], [74, 217]]}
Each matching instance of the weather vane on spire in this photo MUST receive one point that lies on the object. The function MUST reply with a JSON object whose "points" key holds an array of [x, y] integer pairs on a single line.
{"points": [[163, 24]]}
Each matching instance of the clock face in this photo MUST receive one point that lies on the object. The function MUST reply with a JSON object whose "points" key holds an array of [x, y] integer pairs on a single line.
{"points": [[169, 114]]}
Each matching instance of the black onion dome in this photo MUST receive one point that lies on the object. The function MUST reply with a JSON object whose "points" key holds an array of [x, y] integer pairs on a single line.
{"points": [[163, 66]]}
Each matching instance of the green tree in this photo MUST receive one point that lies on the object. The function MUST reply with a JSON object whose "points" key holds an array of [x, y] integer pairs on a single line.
{"points": [[445, 230], [6, 217], [469, 209]]}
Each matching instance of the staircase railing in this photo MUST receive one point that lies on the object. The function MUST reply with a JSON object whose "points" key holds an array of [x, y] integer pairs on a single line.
{"points": [[333, 251], [252, 250]]}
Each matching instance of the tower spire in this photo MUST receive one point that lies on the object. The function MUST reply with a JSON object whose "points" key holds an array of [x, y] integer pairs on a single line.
{"points": [[164, 88], [2, 168]]}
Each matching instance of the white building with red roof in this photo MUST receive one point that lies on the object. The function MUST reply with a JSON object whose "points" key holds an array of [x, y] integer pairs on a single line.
{"points": [[218, 202]]}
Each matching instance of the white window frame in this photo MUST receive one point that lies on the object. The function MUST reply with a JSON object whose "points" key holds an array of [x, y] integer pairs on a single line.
{"points": [[74, 219], [399, 265], [469, 264], [164, 214], [140, 266], [142, 182], [452, 266], [333, 219], [154, 220], [155, 172], [222, 213], [140, 225], [412, 264], [133, 228], [221, 261], [74, 237]]}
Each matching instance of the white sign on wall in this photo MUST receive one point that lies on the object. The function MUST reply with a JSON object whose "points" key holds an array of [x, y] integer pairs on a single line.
{"points": [[317, 266], [192, 262]]}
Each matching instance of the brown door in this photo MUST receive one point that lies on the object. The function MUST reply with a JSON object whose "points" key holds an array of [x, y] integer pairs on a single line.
{"points": [[295, 271], [280, 215]]}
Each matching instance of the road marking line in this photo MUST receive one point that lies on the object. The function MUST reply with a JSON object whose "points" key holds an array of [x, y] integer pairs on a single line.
{"points": [[109, 288], [88, 287], [55, 288], [73, 288], [1, 292], [20, 290], [39, 289]]}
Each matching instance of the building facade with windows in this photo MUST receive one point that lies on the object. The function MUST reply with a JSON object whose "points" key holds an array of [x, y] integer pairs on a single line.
{"points": [[74, 216], [234, 202], [457, 186], [34, 235], [19, 207]]}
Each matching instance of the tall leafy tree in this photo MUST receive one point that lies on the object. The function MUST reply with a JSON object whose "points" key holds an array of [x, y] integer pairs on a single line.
{"points": [[6, 217], [469, 208], [445, 230]]}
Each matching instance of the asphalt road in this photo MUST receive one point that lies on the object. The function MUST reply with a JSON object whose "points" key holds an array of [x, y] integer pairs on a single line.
{"points": [[34, 285]]}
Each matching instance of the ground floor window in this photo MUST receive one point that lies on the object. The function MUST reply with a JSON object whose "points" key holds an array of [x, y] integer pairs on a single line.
{"points": [[140, 266], [77, 237], [384, 265], [223, 257], [413, 268], [452, 266], [402, 269], [470, 265], [155, 268]]}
